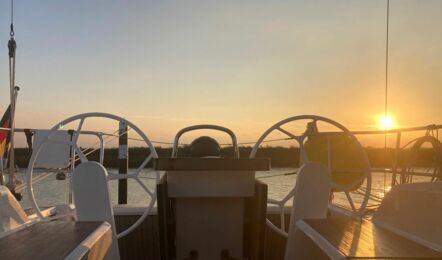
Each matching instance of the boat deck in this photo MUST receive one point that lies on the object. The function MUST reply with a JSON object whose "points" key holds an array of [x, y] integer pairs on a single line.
{"points": [[348, 238], [57, 240], [356, 239]]}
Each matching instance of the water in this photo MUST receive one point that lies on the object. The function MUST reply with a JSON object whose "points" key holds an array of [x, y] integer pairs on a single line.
{"points": [[49, 191]]}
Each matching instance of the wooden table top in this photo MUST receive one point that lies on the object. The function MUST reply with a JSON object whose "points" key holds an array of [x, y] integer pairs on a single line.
{"points": [[356, 238], [46, 240]]}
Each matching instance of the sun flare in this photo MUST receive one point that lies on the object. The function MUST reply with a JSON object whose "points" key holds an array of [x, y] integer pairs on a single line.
{"points": [[386, 122]]}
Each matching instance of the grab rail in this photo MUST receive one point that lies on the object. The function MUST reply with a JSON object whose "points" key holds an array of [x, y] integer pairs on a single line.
{"points": [[200, 127]]}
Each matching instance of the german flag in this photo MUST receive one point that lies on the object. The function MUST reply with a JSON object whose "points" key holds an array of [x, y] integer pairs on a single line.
{"points": [[5, 136]]}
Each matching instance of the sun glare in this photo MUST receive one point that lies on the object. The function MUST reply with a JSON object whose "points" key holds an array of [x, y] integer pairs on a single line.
{"points": [[386, 122]]}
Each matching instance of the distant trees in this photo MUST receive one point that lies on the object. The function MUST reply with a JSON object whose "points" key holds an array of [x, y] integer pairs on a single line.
{"points": [[279, 156]]}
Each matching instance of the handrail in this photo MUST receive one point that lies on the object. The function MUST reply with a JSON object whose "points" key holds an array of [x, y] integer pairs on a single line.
{"points": [[200, 127], [397, 130]]}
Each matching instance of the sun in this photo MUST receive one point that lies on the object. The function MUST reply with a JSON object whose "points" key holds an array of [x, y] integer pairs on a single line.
{"points": [[386, 122]]}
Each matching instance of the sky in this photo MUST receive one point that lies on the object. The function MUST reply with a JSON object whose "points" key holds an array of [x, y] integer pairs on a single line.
{"points": [[165, 65]]}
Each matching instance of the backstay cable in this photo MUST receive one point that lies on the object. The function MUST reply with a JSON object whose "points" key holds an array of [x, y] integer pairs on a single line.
{"points": [[386, 82]]}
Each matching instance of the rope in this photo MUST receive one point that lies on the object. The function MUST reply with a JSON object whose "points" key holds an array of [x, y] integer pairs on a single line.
{"points": [[266, 141], [225, 144], [107, 136], [108, 141], [113, 136]]}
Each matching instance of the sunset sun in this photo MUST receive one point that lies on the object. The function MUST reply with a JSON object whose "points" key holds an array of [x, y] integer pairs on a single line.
{"points": [[386, 122]]}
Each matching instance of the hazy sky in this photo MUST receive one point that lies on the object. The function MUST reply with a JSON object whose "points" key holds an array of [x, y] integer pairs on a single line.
{"points": [[244, 64]]}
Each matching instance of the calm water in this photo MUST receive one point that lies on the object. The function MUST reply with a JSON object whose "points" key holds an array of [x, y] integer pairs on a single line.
{"points": [[50, 191]]}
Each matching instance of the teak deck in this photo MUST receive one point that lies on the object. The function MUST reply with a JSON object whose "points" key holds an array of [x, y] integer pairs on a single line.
{"points": [[355, 239], [46, 240]]}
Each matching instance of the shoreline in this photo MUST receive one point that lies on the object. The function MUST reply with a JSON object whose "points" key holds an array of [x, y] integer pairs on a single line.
{"points": [[279, 156]]}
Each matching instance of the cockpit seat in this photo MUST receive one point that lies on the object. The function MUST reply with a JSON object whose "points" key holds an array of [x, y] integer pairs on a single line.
{"points": [[312, 192], [91, 198]]}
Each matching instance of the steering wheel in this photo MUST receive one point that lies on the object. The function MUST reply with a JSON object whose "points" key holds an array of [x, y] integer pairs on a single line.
{"points": [[73, 144], [312, 132]]}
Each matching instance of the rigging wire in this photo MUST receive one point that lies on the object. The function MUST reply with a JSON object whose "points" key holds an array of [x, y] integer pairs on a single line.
{"points": [[386, 81], [107, 136], [386, 60], [11, 33], [12, 45]]}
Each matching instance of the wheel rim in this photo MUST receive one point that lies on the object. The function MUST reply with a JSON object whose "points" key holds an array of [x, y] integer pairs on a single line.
{"points": [[82, 117], [304, 158]]}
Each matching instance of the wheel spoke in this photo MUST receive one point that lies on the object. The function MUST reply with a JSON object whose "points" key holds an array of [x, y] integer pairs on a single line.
{"points": [[144, 186], [273, 202], [288, 196], [77, 132], [156, 175], [276, 229], [80, 153], [75, 140], [141, 167], [287, 133], [350, 200], [77, 153], [312, 130]]}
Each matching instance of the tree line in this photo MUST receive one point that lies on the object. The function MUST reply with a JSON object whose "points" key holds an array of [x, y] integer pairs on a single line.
{"points": [[279, 156]]}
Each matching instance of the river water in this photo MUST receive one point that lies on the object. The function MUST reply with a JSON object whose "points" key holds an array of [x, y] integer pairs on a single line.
{"points": [[49, 191]]}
